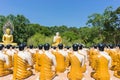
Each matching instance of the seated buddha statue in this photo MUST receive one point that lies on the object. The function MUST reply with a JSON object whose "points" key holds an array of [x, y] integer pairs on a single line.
{"points": [[4, 60], [57, 39], [7, 37]]}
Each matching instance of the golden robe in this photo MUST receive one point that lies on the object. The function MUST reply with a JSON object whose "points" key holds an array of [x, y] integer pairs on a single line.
{"points": [[117, 70], [60, 59], [38, 62], [4, 71], [20, 71], [58, 41], [10, 62], [46, 72], [113, 55], [75, 71], [101, 72]]}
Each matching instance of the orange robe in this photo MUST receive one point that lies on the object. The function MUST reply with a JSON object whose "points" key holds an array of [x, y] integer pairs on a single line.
{"points": [[117, 71], [101, 72], [3, 70], [58, 41], [113, 54], [38, 62], [10, 62], [46, 72], [60, 59], [20, 71], [75, 71]]}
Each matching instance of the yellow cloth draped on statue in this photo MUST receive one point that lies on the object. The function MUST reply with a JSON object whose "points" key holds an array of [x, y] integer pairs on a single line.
{"points": [[20, 69], [4, 71], [101, 72], [60, 59], [117, 70], [67, 61], [83, 67], [75, 71], [46, 72], [58, 41], [113, 55], [92, 57], [10, 62], [38, 62]]}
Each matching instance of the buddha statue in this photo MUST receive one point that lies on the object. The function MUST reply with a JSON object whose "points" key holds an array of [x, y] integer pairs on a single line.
{"points": [[8, 37], [57, 39]]}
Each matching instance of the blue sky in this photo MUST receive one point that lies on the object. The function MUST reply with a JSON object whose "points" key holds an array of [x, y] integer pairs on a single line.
{"points": [[56, 12]]}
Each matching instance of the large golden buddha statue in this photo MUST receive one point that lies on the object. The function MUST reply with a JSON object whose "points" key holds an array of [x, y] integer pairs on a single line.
{"points": [[8, 37], [57, 39]]}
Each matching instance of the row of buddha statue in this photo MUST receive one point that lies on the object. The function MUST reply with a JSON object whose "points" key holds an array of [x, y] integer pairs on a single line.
{"points": [[8, 39], [51, 62]]}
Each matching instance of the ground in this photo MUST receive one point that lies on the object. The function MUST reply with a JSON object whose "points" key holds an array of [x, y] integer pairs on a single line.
{"points": [[62, 76]]}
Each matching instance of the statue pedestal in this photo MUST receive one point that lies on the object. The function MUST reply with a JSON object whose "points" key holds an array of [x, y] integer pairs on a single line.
{"points": [[13, 44]]}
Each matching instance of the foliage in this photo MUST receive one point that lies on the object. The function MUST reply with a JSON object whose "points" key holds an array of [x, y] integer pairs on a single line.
{"points": [[101, 28]]}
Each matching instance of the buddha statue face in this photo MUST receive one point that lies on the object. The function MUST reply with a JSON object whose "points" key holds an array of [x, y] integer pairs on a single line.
{"points": [[57, 34], [8, 31]]}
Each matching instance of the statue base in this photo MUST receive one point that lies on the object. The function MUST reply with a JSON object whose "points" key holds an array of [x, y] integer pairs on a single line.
{"points": [[13, 44]]}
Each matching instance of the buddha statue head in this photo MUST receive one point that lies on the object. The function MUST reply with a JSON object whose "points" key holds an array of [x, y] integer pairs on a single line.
{"points": [[46, 46], [75, 47], [60, 46], [8, 31], [57, 33]]}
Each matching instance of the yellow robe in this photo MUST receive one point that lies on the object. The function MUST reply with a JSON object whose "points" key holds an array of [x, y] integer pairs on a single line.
{"points": [[46, 72], [4, 71], [113, 55], [83, 67], [38, 62], [117, 71], [33, 54], [10, 62], [20, 71], [60, 59], [75, 71], [67, 61], [93, 57], [58, 41], [101, 72]]}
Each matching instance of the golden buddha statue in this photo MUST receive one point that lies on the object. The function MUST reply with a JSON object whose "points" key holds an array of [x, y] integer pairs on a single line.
{"points": [[8, 37], [57, 39]]}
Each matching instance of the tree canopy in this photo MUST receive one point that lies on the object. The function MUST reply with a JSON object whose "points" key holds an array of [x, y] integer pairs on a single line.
{"points": [[100, 28]]}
